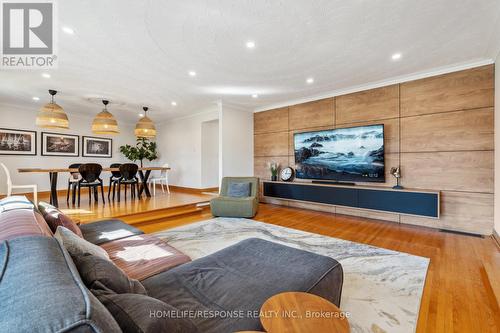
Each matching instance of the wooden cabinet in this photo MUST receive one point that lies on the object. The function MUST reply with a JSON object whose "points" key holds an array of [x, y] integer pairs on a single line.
{"points": [[408, 202]]}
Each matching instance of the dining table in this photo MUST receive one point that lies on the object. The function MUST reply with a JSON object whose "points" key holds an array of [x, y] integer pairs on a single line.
{"points": [[144, 173]]}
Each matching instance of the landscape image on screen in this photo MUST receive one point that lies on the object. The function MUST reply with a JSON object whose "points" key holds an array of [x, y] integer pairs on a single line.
{"points": [[345, 154]]}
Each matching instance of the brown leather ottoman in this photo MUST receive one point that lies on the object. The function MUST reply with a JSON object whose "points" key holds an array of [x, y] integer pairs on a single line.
{"points": [[143, 256]]}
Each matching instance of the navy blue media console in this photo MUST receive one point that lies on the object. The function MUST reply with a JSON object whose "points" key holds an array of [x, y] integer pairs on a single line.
{"points": [[411, 202]]}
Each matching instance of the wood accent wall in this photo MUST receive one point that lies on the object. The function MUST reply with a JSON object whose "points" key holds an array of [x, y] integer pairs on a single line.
{"points": [[439, 129]]}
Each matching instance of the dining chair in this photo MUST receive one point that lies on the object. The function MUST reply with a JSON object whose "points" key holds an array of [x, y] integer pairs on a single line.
{"points": [[113, 180], [90, 173], [128, 173], [11, 187], [161, 180], [73, 179]]}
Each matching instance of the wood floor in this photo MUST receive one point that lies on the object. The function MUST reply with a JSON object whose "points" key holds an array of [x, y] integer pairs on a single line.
{"points": [[458, 294], [92, 211]]}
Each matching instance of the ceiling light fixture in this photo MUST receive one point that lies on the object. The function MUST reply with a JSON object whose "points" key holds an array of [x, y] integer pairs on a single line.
{"points": [[46, 75], [192, 73], [68, 30], [310, 80], [396, 56], [104, 122], [250, 44], [145, 128], [255, 96], [174, 103], [52, 115], [36, 98]]}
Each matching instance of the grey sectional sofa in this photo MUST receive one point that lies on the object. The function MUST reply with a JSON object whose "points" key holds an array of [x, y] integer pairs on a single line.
{"points": [[41, 289]]}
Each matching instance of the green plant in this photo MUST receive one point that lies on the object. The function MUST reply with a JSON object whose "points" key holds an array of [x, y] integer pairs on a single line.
{"points": [[143, 149], [273, 167]]}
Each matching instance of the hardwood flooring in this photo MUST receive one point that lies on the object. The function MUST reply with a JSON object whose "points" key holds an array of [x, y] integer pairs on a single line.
{"points": [[92, 211]]}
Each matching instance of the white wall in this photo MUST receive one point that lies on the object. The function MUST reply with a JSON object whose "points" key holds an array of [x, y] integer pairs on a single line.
{"points": [[179, 144], [210, 154], [18, 118], [236, 132], [189, 145], [497, 144]]}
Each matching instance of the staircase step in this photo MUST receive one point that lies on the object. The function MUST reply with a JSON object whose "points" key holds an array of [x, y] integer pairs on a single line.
{"points": [[160, 215]]}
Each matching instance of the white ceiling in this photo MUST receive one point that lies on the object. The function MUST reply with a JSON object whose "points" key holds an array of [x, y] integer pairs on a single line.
{"points": [[139, 52]]}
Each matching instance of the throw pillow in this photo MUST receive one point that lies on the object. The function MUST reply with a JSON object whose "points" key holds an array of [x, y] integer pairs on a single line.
{"points": [[76, 245], [238, 190], [15, 202], [55, 218], [98, 273], [140, 313]]}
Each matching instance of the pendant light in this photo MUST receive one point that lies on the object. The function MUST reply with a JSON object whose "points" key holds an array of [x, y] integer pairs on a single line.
{"points": [[52, 115], [104, 122], [145, 128]]}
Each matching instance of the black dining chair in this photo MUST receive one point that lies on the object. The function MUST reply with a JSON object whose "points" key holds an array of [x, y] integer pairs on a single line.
{"points": [[113, 180], [73, 179], [128, 173], [90, 173]]}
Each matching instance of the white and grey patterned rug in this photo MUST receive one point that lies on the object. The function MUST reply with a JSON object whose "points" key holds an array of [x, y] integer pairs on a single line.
{"points": [[382, 288]]}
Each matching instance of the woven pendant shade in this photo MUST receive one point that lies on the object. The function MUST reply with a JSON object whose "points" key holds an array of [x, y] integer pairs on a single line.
{"points": [[51, 115], [104, 122], [145, 128]]}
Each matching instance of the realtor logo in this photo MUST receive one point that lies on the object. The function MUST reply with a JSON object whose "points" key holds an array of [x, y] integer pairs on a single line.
{"points": [[28, 35]]}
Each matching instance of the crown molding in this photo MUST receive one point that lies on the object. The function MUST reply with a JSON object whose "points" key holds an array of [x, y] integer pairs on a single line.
{"points": [[383, 83]]}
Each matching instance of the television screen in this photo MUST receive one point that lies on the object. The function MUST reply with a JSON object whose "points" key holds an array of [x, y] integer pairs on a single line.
{"points": [[353, 154]]}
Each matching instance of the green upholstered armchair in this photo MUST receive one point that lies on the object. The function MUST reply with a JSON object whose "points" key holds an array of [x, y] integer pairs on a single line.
{"points": [[227, 206]]}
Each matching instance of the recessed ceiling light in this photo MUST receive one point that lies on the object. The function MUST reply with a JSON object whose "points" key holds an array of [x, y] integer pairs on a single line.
{"points": [[250, 44], [46, 75], [174, 103], [310, 80], [396, 56], [255, 96], [36, 98], [68, 30], [192, 73]]}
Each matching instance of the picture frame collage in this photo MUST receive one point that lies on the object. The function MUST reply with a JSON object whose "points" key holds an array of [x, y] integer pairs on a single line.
{"points": [[24, 143]]}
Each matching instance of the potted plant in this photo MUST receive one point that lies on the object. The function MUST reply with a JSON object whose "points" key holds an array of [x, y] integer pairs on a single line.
{"points": [[274, 167], [143, 149]]}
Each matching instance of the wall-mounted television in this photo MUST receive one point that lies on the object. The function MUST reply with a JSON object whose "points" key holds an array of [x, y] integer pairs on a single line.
{"points": [[354, 154]]}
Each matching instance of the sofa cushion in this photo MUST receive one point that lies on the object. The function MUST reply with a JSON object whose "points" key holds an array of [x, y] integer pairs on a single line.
{"points": [[101, 232], [41, 291], [142, 256], [76, 245], [16, 223], [238, 189], [140, 313], [55, 218], [98, 273], [241, 278]]}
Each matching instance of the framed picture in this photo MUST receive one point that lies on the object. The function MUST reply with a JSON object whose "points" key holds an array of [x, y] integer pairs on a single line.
{"points": [[97, 147], [17, 142], [57, 144]]}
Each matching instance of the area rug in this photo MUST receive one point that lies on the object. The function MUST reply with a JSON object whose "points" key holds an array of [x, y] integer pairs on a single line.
{"points": [[382, 288]]}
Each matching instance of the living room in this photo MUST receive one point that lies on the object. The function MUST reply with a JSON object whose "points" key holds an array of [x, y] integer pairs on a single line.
{"points": [[249, 167]]}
